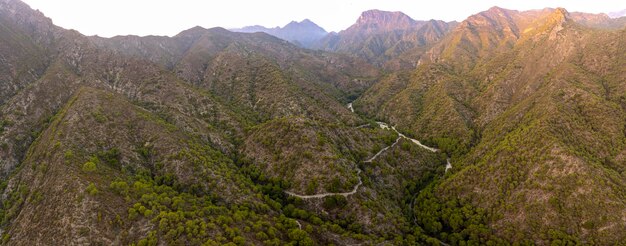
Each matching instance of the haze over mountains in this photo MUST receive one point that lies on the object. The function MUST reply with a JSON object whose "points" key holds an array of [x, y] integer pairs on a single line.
{"points": [[618, 14], [304, 33], [505, 128]]}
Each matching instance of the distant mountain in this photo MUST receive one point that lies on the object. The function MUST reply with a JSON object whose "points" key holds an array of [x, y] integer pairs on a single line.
{"points": [[618, 14], [381, 37], [601, 21], [303, 33]]}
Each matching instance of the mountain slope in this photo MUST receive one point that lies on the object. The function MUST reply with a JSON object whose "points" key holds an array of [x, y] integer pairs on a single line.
{"points": [[601, 21], [125, 146], [77, 139], [194, 52], [531, 112]]}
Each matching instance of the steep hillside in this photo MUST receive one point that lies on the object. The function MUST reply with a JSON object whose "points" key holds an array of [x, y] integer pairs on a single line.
{"points": [[528, 104], [193, 55], [132, 138], [88, 145], [23, 60]]}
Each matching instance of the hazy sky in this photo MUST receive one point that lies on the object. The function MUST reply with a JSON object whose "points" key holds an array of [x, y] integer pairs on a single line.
{"points": [[160, 17]]}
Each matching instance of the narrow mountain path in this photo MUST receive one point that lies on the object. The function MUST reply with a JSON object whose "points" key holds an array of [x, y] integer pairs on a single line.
{"points": [[384, 125], [383, 150]]}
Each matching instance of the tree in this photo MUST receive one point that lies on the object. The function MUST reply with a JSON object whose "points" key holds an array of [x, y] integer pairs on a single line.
{"points": [[331, 202], [239, 240], [300, 237]]}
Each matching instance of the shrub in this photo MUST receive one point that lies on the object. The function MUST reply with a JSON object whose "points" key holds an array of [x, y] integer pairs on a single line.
{"points": [[239, 240], [110, 157], [69, 155], [119, 187], [300, 237], [89, 166], [148, 213], [91, 189]]}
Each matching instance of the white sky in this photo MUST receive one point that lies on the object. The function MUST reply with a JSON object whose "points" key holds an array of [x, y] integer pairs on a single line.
{"points": [[168, 17]]}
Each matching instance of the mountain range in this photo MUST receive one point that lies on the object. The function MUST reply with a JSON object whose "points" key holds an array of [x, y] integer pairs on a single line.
{"points": [[304, 33], [389, 39], [505, 128]]}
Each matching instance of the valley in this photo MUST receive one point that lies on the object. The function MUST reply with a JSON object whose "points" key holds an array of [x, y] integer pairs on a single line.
{"points": [[504, 128]]}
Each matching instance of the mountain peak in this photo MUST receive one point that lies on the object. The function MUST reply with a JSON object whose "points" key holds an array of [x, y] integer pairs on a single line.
{"points": [[194, 32], [383, 20], [561, 12], [558, 16], [495, 18], [306, 23], [496, 9], [380, 16], [496, 12]]}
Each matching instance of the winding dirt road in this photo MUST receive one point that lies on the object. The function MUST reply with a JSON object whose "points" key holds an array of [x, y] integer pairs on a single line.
{"points": [[384, 126]]}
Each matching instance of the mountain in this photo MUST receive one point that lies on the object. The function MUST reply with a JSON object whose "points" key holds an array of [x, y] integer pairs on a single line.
{"points": [[304, 33], [506, 129], [390, 39], [93, 126], [528, 106], [129, 139], [602, 21]]}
